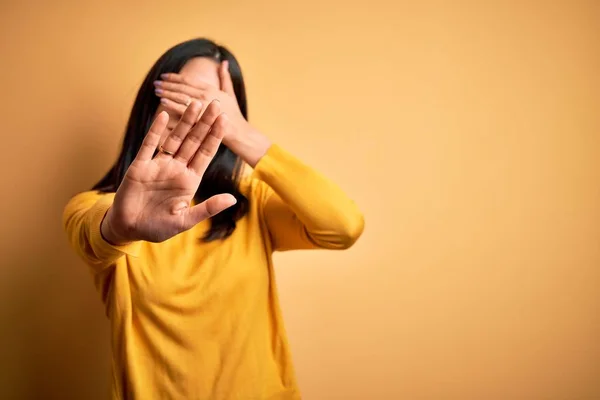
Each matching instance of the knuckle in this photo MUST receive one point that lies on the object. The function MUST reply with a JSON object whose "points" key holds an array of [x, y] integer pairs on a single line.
{"points": [[194, 139], [203, 125], [184, 89], [205, 151], [188, 119], [176, 138], [213, 141], [219, 132]]}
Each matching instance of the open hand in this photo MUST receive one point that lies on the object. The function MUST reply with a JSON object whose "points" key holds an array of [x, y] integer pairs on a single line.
{"points": [[176, 91], [153, 202]]}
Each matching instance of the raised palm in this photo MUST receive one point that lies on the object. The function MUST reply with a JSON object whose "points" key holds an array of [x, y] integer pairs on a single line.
{"points": [[153, 202]]}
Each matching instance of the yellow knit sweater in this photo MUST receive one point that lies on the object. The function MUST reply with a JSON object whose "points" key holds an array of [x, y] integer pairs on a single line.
{"points": [[194, 320]]}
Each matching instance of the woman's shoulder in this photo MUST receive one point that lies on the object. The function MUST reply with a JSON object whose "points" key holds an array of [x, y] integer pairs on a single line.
{"points": [[253, 188]]}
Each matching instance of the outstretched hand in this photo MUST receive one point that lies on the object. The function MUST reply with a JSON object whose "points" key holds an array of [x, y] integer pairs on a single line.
{"points": [[153, 202]]}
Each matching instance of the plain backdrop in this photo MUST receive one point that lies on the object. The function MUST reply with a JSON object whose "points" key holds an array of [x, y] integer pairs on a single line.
{"points": [[467, 131]]}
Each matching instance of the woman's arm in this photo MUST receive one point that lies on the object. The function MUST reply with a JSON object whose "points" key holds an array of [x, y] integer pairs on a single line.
{"points": [[82, 219], [304, 210]]}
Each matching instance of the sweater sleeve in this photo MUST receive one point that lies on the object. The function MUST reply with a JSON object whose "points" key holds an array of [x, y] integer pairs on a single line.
{"points": [[82, 218], [303, 209]]}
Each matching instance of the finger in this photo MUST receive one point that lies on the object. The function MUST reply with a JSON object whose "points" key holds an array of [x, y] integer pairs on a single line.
{"points": [[207, 209], [171, 81], [225, 77], [177, 87], [178, 78], [170, 105], [173, 96], [209, 146], [194, 139], [176, 137], [153, 136]]}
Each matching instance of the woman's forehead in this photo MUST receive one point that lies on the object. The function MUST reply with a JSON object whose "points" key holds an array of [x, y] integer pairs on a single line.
{"points": [[202, 69]]}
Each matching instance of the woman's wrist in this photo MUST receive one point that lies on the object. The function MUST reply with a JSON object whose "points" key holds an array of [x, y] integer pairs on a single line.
{"points": [[250, 145], [108, 232]]}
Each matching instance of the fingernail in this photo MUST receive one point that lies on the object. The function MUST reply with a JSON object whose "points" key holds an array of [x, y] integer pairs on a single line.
{"points": [[164, 76], [158, 91], [164, 101], [157, 83]]}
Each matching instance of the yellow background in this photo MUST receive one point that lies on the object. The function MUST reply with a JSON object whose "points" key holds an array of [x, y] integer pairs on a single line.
{"points": [[467, 131]]}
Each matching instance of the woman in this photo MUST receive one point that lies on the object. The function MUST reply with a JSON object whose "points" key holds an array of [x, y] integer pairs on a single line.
{"points": [[179, 240]]}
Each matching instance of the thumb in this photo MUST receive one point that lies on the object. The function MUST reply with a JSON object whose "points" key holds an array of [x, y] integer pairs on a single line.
{"points": [[207, 209], [225, 77]]}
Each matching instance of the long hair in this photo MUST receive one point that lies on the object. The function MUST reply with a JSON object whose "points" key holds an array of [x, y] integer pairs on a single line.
{"points": [[223, 173]]}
